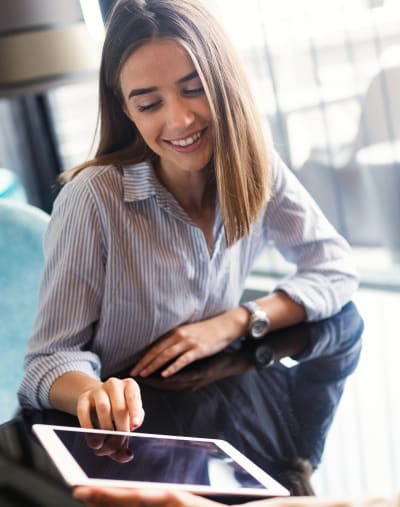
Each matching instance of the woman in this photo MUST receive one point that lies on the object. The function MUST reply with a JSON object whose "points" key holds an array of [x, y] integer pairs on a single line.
{"points": [[151, 242]]}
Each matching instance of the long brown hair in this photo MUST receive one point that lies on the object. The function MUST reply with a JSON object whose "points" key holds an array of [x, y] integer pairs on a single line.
{"points": [[240, 160]]}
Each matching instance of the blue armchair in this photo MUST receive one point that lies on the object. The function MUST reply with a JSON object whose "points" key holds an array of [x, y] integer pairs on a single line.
{"points": [[21, 262]]}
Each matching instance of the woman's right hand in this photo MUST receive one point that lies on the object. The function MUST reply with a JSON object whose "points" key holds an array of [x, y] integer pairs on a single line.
{"points": [[115, 404]]}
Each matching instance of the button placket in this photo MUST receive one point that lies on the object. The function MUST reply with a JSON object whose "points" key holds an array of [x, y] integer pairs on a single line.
{"points": [[203, 264]]}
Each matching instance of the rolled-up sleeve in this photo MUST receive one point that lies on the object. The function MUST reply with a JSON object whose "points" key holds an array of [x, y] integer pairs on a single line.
{"points": [[70, 297], [325, 277]]}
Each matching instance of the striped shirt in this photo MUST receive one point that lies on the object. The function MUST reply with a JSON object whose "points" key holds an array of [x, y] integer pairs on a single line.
{"points": [[125, 264]]}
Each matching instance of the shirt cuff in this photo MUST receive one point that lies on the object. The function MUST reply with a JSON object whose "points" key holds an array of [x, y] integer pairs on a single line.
{"points": [[43, 389]]}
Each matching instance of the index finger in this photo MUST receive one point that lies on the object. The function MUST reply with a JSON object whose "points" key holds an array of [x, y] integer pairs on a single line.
{"points": [[134, 403]]}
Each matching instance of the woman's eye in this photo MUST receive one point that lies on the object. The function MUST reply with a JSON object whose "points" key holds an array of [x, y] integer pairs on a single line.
{"points": [[149, 107], [195, 91]]}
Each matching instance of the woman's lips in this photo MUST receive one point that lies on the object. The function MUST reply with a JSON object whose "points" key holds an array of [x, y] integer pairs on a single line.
{"points": [[189, 143]]}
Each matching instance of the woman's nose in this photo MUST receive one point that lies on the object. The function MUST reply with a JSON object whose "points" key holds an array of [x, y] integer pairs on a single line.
{"points": [[179, 115]]}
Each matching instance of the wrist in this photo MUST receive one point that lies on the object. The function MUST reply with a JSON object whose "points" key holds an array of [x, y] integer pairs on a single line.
{"points": [[235, 323], [66, 390]]}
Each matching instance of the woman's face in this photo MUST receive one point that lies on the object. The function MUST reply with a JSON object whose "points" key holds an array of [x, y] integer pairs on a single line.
{"points": [[165, 99]]}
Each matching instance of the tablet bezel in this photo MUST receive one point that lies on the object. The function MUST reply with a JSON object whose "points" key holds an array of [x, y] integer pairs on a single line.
{"points": [[74, 475]]}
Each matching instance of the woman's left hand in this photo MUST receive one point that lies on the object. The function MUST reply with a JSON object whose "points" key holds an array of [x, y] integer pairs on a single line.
{"points": [[186, 344], [119, 497]]}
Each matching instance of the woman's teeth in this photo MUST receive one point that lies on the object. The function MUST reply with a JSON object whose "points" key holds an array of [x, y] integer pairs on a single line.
{"points": [[187, 141]]}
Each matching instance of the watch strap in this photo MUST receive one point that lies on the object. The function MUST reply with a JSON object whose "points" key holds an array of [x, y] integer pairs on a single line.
{"points": [[251, 307]]}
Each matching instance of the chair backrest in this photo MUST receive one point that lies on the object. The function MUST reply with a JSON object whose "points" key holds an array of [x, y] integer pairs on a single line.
{"points": [[381, 108], [21, 263]]}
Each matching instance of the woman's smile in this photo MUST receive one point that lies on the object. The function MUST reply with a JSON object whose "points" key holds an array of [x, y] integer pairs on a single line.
{"points": [[188, 143]]}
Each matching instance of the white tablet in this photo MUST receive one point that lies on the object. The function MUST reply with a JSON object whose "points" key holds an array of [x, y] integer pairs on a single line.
{"points": [[140, 460]]}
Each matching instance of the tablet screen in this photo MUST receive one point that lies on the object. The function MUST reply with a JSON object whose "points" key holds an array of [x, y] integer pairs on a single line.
{"points": [[114, 458], [151, 459]]}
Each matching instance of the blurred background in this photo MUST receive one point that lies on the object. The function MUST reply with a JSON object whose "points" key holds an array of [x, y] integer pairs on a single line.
{"points": [[325, 74], [326, 77]]}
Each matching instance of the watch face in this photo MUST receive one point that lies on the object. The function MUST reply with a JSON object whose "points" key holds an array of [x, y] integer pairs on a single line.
{"points": [[264, 355], [259, 328]]}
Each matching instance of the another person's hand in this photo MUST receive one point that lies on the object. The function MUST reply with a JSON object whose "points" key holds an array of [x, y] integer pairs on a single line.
{"points": [[112, 405], [185, 344], [119, 497]]}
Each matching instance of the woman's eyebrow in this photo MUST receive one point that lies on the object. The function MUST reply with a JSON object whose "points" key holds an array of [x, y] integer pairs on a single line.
{"points": [[188, 77], [142, 91], [151, 89]]}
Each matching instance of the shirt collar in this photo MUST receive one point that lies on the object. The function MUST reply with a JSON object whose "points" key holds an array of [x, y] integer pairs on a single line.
{"points": [[140, 182]]}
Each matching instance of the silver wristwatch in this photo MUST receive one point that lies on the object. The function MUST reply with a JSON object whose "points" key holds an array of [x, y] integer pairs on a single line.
{"points": [[259, 322]]}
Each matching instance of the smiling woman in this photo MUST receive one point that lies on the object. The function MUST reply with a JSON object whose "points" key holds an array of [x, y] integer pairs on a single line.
{"points": [[150, 243]]}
